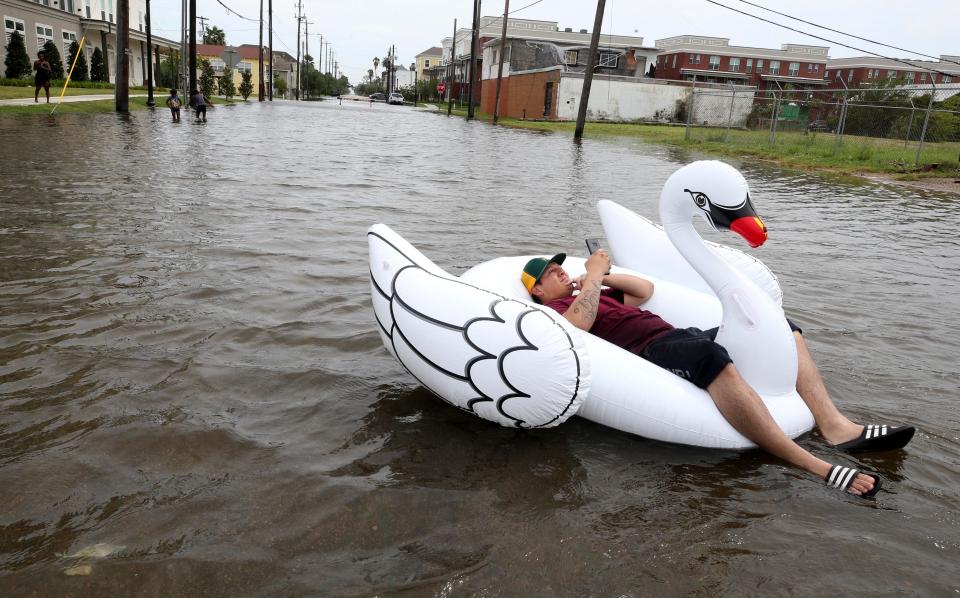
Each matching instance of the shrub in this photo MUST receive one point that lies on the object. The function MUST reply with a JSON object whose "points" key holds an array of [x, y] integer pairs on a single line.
{"points": [[207, 78], [53, 57], [98, 66], [17, 63], [227, 88], [246, 86], [80, 72]]}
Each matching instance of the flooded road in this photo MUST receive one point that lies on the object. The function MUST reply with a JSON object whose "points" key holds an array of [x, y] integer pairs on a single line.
{"points": [[194, 397]]}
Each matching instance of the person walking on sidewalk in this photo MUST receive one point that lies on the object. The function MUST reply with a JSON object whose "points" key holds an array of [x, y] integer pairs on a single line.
{"points": [[44, 72]]}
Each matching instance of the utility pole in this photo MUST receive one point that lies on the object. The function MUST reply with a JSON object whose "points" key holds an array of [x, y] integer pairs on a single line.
{"points": [[503, 52], [259, 58], [122, 89], [299, 20], [453, 56], [473, 56], [306, 41], [150, 101], [320, 57], [270, 29], [192, 71], [588, 75], [203, 27]]}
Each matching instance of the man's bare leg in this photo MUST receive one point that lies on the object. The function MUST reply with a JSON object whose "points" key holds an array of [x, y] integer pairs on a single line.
{"points": [[744, 409], [834, 426]]}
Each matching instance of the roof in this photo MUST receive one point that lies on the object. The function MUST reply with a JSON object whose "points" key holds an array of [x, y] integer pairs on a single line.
{"points": [[889, 63], [434, 51], [721, 46]]}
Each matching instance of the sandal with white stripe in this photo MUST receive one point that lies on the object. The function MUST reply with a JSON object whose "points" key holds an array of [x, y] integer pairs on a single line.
{"points": [[842, 477], [875, 438]]}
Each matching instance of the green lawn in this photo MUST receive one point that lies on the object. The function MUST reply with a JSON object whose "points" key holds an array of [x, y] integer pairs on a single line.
{"points": [[817, 151], [72, 107], [8, 92]]}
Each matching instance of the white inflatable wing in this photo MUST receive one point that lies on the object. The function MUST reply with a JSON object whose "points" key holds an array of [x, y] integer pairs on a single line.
{"points": [[505, 360], [641, 245]]}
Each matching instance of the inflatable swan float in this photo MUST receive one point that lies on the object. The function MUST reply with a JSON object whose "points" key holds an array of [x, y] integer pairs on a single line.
{"points": [[479, 342]]}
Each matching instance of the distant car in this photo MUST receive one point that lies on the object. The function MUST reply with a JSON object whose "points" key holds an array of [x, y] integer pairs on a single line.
{"points": [[815, 126], [377, 97], [395, 98]]}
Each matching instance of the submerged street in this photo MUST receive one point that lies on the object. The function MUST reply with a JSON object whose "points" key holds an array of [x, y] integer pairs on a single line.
{"points": [[196, 399]]}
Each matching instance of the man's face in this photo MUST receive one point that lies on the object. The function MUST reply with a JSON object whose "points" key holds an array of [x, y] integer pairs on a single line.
{"points": [[554, 284]]}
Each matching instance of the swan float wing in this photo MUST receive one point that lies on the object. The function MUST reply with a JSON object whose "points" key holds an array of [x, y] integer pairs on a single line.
{"points": [[503, 359]]}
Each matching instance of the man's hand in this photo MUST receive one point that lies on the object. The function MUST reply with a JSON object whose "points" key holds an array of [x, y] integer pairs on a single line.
{"points": [[599, 262]]}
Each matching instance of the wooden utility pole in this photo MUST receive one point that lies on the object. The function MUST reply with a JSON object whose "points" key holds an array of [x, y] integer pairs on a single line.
{"points": [[450, 71], [150, 101], [588, 75], [192, 68], [122, 89], [270, 29], [503, 52], [299, 20], [473, 56], [260, 93]]}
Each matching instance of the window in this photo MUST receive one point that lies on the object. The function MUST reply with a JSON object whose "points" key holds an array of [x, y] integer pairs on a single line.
{"points": [[111, 11], [774, 67], [11, 24], [947, 78], [693, 59], [87, 5], [813, 67], [674, 61], [244, 67], [608, 60], [735, 64], [923, 77], [850, 76], [218, 65], [908, 76], [891, 74], [103, 10], [68, 38], [749, 65], [44, 34], [43, 2], [570, 56], [426, 63], [140, 19], [794, 69], [759, 65], [714, 63]]}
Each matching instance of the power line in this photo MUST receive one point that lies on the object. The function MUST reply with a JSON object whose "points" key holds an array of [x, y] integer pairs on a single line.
{"points": [[753, 16], [523, 7], [230, 10], [940, 58]]}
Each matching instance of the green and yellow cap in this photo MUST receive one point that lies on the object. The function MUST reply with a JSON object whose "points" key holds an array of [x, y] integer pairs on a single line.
{"points": [[535, 268]]}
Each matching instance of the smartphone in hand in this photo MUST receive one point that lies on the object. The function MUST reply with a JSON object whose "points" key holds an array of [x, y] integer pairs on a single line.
{"points": [[592, 245]]}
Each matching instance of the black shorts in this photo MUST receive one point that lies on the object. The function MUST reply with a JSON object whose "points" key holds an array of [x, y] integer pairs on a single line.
{"points": [[692, 354], [201, 110]]}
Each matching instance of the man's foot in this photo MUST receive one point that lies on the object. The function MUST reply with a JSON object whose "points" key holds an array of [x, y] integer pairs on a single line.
{"points": [[848, 479], [876, 438]]}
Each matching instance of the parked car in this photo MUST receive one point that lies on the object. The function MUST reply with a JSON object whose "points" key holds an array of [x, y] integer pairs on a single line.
{"points": [[395, 98], [815, 126], [377, 97]]}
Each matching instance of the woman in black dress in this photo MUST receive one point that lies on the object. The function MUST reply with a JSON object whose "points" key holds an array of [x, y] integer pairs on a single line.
{"points": [[42, 76]]}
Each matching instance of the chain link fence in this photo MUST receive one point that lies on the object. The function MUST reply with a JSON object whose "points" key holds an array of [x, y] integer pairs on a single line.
{"points": [[901, 127]]}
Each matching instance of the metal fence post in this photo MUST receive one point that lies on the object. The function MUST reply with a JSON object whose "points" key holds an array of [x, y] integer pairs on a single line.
{"points": [[693, 92], [926, 119], [773, 119], [733, 96], [841, 123], [906, 138]]}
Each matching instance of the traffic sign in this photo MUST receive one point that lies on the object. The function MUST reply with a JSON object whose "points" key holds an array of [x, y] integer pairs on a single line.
{"points": [[231, 57], [441, 87]]}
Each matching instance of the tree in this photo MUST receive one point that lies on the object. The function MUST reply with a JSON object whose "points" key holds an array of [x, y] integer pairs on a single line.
{"points": [[17, 63], [246, 86], [215, 36], [369, 75], [376, 63], [80, 71], [227, 88], [53, 57], [98, 66], [170, 70], [208, 78], [280, 84]]}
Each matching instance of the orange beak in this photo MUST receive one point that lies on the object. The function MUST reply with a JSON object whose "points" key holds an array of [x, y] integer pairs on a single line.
{"points": [[750, 228]]}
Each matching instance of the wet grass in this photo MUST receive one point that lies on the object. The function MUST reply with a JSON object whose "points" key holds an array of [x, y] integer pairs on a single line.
{"points": [[94, 106]]}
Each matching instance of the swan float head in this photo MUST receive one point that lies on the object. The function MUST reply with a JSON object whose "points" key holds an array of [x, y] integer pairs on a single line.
{"points": [[717, 192]]}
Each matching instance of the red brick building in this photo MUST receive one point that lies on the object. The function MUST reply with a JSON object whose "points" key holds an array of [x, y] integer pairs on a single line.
{"points": [[868, 69], [714, 60]]}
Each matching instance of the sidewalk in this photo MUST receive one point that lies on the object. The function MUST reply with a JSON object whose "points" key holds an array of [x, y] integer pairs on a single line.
{"points": [[54, 99]]}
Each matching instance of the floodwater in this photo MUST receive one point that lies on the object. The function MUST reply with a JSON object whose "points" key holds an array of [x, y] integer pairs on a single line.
{"points": [[194, 397]]}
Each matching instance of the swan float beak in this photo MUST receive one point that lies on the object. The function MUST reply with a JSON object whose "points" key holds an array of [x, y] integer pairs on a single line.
{"points": [[751, 228]]}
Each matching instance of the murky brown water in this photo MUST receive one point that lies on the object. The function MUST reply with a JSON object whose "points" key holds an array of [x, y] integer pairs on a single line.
{"points": [[194, 399]]}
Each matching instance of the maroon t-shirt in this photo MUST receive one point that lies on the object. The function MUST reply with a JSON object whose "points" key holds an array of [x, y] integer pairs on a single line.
{"points": [[628, 327]]}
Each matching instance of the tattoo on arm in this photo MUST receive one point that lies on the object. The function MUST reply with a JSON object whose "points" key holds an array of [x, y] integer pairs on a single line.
{"points": [[586, 305]]}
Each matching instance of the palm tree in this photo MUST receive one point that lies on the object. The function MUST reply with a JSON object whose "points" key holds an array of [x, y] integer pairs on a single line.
{"points": [[370, 75], [215, 36], [376, 62]]}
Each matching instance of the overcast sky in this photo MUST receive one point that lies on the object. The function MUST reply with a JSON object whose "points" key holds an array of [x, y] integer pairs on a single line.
{"points": [[361, 29]]}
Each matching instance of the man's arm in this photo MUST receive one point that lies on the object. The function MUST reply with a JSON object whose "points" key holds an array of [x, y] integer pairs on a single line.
{"points": [[583, 311], [636, 290]]}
